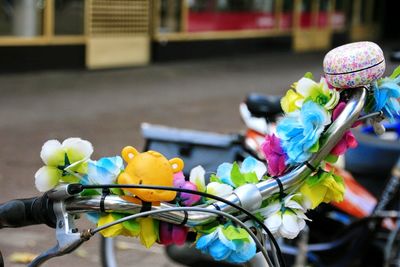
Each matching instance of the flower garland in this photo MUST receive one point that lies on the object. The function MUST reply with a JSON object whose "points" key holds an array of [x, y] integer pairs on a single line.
{"points": [[309, 108]]}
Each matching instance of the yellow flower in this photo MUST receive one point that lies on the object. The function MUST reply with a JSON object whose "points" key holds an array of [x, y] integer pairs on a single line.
{"points": [[325, 187], [290, 102], [112, 231], [149, 231], [127, 228]]}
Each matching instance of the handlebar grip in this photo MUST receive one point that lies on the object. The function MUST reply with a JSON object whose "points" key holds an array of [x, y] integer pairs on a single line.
{"points": [[28, 211]]}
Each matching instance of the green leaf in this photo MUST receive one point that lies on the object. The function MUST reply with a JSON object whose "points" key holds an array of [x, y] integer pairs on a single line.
{"points": [[90, 192], [251, 177], [309, 75], [395, 73], [117, 191], [259, 216], [233, 233], [214, 178], [331, 158], [132, 226], [236, 176], [315, 147], [313, 180]]}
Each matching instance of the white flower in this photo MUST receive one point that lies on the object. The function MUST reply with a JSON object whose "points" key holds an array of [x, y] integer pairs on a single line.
{"points": [[65, 162], [284, 219], [318, 92], [47, 178], [218, 189], [197, 177]]}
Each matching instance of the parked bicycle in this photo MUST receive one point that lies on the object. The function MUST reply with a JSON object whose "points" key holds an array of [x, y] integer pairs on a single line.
{"points": [[243, 208]]}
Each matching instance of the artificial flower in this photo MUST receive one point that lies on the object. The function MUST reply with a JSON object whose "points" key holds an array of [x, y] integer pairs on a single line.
{"points": [[323, 187], [291, 101], [274, 155], [187, 199], [348, 140], [284, 218], [197, 177], [301, 130], [105, 170], [307, 89], [64, 162], [179, 179], [250, 171], [218, 189], [149, 231], [228, 243], [172, 234], [386, 93], [127, 228], [318, 92]]}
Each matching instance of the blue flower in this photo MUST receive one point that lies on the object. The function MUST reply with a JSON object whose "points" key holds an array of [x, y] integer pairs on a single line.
{"points": [[301, 129], [249, 165], [238, 250], [386, 93], [216, 244], [105, 170]]}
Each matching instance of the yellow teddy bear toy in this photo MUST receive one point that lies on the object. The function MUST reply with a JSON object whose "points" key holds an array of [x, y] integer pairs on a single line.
{"points": [[149, 168]]}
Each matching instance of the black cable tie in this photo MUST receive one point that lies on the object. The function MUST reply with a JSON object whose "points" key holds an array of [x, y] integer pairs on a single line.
{"points": [[220, 218], [311, 167], [282, 193], [105, 192], [146, 206], [185, 219]]}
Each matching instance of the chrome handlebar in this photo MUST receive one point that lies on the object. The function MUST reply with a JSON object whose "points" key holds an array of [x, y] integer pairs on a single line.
{"points": [[249, 196]]}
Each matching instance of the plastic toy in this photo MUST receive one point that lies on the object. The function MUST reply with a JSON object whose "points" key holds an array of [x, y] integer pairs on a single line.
{"points": [[149, 168]]}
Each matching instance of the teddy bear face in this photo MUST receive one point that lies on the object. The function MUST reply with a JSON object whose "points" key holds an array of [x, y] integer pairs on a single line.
{"points": [[149, 168]]}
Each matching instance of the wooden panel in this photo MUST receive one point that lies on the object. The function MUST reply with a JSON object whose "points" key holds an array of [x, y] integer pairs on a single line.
{"points": [[364, 32], [117, 33], [117, 52], [311, 40]]}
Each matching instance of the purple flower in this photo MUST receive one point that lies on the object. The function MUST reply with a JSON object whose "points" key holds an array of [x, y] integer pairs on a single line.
{"points": [[274, 154], [187, 199]]}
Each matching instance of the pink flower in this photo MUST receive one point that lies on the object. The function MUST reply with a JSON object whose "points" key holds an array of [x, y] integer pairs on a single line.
{"points": [[179, 179], [274, 154], [348, 140], [187, 199], [172, 234]]}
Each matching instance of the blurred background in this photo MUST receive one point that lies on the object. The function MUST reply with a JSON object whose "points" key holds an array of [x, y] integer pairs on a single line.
{"points": [[98, 68]]}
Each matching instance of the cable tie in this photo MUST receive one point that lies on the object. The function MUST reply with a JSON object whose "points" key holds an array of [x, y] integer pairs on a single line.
{"points": [[146, 206], [311, 167], [104, 193], [282, 193], [185, 219], [220, 218]]}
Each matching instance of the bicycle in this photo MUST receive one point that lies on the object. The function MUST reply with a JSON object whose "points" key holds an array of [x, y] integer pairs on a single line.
{"points": [[59, 206]]}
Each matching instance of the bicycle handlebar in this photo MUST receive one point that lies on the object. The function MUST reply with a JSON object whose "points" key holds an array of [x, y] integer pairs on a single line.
{"points": [[28, 211], [248, 196], [58, 206]]}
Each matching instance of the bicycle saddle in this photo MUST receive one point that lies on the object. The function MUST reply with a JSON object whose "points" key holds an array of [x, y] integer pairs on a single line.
{"points": [[263, 106]]}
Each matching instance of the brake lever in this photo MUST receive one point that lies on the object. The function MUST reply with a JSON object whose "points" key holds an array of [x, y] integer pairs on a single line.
{"points": [[67, 235]]}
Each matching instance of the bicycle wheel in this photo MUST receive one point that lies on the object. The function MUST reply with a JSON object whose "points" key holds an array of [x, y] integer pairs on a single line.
{"points": [[127, 251]]}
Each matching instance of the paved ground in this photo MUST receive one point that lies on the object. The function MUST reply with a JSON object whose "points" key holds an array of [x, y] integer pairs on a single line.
{"points": [[107, 107]]}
